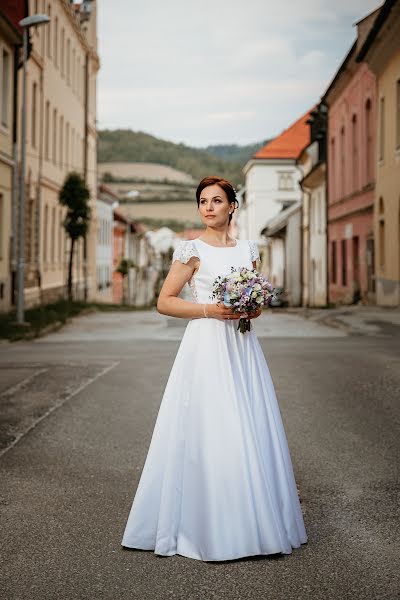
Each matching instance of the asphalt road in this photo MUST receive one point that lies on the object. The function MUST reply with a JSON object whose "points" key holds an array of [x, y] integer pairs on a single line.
{"points": [[78, 412]]}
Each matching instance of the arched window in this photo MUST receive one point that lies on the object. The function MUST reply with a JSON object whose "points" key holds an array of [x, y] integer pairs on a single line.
{"points": [[62, 52], [368, 142], [61, 142], [333, 169], [342, 161], [47, 132], [54, 153], [45, 232], [33, 119], [381, 234], [382, 128], [48, 28], [354, 149]]}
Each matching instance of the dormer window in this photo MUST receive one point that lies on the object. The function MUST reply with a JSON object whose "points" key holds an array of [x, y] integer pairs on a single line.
{"points": [[285, 180]]}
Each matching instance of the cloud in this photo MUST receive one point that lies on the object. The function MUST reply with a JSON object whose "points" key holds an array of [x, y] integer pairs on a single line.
{"points": [[218, 71]]}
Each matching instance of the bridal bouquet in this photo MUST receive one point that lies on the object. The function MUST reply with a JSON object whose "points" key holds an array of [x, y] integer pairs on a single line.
{"points": [[244, 290]]}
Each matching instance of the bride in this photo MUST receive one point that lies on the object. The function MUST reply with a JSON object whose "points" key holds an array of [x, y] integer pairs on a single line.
{"points": [[218, 481]]}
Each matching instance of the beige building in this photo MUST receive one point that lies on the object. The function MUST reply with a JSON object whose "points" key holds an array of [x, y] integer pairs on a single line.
{"points": [[381, 50], [312, 161], [10, 40], [61, 137]]}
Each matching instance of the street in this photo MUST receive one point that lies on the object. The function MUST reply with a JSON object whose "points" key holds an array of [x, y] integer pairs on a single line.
{"points": [[78, 408]]}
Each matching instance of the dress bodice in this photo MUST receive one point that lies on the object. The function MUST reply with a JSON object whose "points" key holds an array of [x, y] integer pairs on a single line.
{"points": [[214, 261]]}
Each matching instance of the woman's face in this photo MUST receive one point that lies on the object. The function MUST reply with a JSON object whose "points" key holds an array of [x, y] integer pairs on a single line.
{"points": [[214, 206]]}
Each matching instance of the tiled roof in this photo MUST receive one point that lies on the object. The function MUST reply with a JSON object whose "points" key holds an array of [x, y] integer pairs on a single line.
{"points": [[290, 142]]}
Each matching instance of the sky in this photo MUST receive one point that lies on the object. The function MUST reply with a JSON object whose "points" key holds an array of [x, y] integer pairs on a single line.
{"points": [[218, 71]]}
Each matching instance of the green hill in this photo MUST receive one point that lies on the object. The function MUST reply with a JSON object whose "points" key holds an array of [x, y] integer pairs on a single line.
{"points": [[125, 145], [234, 152]]}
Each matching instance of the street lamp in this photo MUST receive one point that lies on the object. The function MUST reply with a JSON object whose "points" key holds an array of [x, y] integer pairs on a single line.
{"points": [[32, 21]]}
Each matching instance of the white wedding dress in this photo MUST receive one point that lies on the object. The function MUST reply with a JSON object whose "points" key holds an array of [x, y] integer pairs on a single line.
{"points": [[218, 481]]}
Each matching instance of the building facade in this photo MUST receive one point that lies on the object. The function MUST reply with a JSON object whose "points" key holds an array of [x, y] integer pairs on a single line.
{"points": [[60, 138], [271, 206], [381, 50], [10, 43], [271, 185], [351, 99], [314, 217], [106, 202]]}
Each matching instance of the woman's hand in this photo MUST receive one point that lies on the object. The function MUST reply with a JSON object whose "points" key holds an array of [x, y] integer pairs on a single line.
{"points": [[221, 312]]}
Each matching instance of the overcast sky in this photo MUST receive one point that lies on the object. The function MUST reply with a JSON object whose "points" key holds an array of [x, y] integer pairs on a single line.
{"points": [[218, 71]]}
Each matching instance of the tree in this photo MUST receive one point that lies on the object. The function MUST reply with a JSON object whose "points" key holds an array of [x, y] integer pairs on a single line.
{"points": [[124, 265], [74, 195]]}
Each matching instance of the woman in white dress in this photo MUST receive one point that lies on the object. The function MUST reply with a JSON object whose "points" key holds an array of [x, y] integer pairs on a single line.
{"points": [[218, 481]]}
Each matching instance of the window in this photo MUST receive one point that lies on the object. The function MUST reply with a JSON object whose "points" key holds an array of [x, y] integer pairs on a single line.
{"points": [[342, 160], [72, 147], [47, 131], [67, 146], [61, 142], [56, 41], [398, 114], [73, 70], [368, 146], [285, 181], [382, 128], [344, 262], [78, 78], [381, 234], [334, 262], [54, 153], [48, 28], [62, 52], [60, 236], [45, 232], [5, 87], [33, 118], [354, 147], [68, 61], [53, 235]]}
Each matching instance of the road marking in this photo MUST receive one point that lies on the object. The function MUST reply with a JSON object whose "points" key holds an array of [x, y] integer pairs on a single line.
{"points": [[56, 405], [11, 390]]}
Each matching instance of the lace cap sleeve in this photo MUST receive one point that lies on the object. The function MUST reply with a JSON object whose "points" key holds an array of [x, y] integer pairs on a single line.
{"points": [[254, 250], [184, 251]]}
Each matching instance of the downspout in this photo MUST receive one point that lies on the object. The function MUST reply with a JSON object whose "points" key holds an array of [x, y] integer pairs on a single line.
{"points": [[301, 236], [39, 192]]}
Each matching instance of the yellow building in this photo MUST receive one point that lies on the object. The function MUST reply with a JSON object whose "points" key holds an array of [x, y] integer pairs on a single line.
{"points": [[60, 138], [381, 50], [10, 40]]}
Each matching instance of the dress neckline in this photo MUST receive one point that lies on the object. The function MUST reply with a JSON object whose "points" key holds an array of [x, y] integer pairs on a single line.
{"points": [[220, 247]]}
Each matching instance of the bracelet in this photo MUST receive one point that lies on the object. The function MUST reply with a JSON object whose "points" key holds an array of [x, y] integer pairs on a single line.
{"points": [[205, 311]]}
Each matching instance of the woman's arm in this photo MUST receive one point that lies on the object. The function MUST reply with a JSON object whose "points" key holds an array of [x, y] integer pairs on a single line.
{"points": [[168, 303]]}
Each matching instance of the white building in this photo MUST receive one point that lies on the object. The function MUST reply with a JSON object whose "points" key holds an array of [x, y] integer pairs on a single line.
{"points": [[314, 259], [105, 204], [272, 185]]}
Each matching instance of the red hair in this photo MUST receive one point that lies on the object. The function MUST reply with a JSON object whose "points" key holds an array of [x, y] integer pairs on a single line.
{"points": [[223, 183]]}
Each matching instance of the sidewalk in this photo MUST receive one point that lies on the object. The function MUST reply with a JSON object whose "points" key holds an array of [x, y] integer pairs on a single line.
{"points": [[354, 319]]}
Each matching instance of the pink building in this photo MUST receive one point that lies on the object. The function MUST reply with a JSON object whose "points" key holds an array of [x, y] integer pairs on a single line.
{"points": [[351, 99]]}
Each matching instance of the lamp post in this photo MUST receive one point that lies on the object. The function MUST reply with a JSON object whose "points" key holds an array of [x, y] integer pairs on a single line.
{"points": [[32, 21]]}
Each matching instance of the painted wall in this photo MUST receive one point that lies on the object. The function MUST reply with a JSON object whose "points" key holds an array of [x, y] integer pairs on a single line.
{"points": [[387, 198], [351, 176]]}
